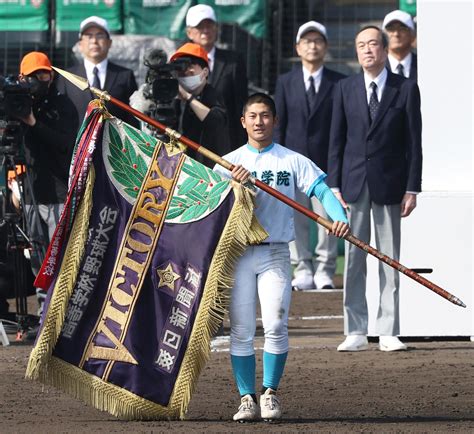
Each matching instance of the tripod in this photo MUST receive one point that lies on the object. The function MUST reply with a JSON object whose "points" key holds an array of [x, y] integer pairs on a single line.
{"points": [[18, 243]]}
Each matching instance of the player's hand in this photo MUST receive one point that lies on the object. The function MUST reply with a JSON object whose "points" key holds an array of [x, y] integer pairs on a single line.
{"points": [[408, 204], [340, 229], [240, 174], [341, 199]]}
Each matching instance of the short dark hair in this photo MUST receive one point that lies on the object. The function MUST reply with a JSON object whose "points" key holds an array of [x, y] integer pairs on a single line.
{"points": [[383, 36], [260, 98], [195, 61]]}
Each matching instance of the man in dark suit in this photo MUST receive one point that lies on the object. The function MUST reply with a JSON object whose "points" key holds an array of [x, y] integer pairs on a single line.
{"points": [[228, 73], [400, 29], [303, 99], [94, 45], [375, 162]]}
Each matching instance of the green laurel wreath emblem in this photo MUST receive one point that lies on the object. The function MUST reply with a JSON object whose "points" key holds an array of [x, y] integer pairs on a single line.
{"points": [[128, 166], [200, 192]]}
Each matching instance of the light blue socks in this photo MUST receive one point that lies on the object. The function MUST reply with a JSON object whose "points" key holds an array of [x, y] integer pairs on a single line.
{"points": [[243, 368], [273, 366], [244, 373]]}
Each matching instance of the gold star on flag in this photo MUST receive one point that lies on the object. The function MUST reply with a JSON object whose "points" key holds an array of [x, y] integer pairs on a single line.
{"points": [[167, 277]]}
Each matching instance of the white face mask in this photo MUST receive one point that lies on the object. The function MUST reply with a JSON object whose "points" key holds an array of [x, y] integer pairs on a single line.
{"points": [[192, 82]]}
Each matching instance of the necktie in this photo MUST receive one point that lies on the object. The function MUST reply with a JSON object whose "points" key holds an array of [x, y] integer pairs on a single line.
{"points": [[400, 70], [96, 81], [373, 102], [311, 93]]}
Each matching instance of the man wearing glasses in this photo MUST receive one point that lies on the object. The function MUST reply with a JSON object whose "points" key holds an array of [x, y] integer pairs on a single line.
{"points": [[94, 45], [400, 30], [303, 100], [227, 70]]}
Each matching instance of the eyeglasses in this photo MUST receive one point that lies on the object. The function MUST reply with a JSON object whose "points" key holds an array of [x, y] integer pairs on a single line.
{"points": [[315, 41], [97, 36]]}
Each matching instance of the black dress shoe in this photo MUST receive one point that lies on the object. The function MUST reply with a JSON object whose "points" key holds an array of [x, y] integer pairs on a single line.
{"points": [[328, 287]]}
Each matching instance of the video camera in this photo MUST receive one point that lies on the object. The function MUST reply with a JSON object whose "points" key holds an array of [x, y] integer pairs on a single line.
{"points": [[162, 85], [15, 102]]}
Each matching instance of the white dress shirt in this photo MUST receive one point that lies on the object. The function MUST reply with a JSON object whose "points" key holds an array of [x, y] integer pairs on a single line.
{"points": [[211, 57], [406, 62], [380, 81], [102, 71], [317, 75]]}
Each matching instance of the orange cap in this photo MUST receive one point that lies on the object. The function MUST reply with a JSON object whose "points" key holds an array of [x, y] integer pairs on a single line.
{"points": [[190, 49], [34, 61]]}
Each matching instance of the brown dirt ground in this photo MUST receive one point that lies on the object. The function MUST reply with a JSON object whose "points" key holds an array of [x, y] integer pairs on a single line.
{"points": [[426, 389]]}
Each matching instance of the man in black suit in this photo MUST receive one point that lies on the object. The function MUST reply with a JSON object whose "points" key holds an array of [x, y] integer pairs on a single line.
{"points": [[400, 29], [375, 162], [303, 99], [228, 73], [94, 45]]}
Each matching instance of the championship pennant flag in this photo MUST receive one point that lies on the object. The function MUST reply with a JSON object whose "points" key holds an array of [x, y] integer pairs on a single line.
{"points": [[138, 272]]}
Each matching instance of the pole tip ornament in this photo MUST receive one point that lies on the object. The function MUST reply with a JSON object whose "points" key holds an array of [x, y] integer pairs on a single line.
{"points": [[82, 83]]}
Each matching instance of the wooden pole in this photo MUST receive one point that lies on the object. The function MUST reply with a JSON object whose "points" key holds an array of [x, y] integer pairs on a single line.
{"points": [[83, 84]]}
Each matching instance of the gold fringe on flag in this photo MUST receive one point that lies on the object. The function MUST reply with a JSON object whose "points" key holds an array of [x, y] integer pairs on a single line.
{"points": [[241, 229], [64, 285]]}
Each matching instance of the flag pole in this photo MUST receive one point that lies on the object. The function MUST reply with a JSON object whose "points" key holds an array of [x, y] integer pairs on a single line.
{"points": [[83, 84]]}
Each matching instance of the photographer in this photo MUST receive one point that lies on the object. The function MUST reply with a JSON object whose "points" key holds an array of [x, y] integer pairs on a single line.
{"points": [[49, 135]]}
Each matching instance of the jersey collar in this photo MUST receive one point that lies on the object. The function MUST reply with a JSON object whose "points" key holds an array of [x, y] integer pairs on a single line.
{"points": [[256, 151]]}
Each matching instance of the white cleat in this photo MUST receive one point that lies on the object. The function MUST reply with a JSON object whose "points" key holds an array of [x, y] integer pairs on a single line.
{"points": [[248, 410], [354, 343], [270, 407], [302, 282], [391, 343]]}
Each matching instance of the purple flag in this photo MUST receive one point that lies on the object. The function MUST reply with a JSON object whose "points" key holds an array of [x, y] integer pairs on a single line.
{"points": [[144, 277]]}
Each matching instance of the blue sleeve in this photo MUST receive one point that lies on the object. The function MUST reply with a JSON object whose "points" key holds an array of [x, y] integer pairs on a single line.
{"points": [[330, 203]]}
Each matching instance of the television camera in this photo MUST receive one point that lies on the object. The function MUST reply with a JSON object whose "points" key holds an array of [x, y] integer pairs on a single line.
{"points": [[162, 86]]}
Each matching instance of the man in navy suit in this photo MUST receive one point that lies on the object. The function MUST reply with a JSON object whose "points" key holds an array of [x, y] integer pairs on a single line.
{"points": [[303, 99], [228, 73], [94, 45], [400, 29], [375, 163]]}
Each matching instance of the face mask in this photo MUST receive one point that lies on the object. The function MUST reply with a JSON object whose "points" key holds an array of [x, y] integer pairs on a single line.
{"points": [[191, 83]]}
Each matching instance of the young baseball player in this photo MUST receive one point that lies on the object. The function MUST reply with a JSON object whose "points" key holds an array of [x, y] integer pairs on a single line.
{"points": [[264, 269]]}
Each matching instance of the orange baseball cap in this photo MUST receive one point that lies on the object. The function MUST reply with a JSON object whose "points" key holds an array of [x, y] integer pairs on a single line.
{"points": [[190, 49], [34, 61]]}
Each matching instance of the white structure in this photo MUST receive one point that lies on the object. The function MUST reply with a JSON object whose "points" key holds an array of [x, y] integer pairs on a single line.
{"points": [[438, 234]]}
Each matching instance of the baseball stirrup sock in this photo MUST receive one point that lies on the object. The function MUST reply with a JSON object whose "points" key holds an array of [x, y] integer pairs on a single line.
{"points": [[273, 365], [244, 373]]}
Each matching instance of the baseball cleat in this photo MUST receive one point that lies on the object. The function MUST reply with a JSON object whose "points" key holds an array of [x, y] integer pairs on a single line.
{"points": [[270, 407], [248, 410]]}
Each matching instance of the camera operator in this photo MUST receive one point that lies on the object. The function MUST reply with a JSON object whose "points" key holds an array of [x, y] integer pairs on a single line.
{"points": [[49, 135], [202, 115], [197, 111]]}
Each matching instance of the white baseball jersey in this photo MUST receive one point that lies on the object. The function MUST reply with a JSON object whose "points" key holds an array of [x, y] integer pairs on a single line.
{"points": [[284, 170]]}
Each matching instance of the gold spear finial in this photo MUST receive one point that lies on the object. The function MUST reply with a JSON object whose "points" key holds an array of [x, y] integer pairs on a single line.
{"points": [[82, 83]]}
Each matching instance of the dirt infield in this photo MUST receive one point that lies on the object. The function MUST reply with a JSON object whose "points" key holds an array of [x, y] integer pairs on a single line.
{"points": [[429, 388]]}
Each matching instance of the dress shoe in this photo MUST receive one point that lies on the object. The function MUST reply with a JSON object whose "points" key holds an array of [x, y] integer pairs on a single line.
{"points": [[302, 281], [391, 343], [354, 343]]}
